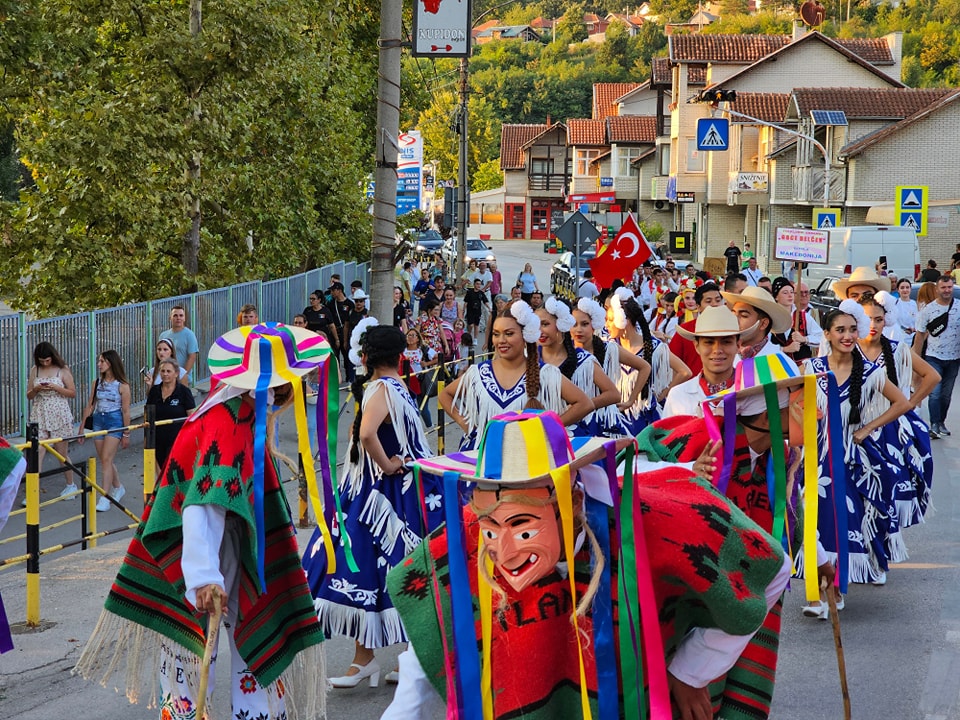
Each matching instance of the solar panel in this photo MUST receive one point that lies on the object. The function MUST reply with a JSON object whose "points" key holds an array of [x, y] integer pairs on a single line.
{"points": [[828, 117]]}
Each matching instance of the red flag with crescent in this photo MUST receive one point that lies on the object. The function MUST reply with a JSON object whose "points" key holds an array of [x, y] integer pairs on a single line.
{"points": [[621, 256]]}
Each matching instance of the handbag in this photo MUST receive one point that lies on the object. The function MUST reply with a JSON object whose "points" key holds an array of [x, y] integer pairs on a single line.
{"points": [[88, 423], [938, 325]]}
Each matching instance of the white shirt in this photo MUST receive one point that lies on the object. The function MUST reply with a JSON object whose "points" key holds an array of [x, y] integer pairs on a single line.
{"points": [[753, 276], [587, 290], [685, 399]]}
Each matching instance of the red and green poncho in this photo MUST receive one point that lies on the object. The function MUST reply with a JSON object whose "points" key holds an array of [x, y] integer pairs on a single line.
{"points": [[211, 463], [710, 565]]}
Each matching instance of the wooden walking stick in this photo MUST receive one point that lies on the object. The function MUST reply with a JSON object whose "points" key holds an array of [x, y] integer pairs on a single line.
{"points": [[213, 633], [838, 644]]}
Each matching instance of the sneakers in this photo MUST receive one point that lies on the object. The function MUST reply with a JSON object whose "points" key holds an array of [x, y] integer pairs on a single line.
{"points": [[69, 490], [942, 429], [103, 504], [118, 492], [934, 435]]}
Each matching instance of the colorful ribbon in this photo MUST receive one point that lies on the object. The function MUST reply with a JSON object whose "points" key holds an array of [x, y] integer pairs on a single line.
{"points": [[838, 471], [605, 652], [811, 494], [778, 496], [634, 695], [6, 639]]}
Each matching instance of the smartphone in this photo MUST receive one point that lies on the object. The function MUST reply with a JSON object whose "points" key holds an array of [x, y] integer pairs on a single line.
{"points": [[883, 261]]}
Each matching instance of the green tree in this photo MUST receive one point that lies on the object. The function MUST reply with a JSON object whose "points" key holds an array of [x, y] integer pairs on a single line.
{"points": [[105, 125], [615, 52], [570, 27], [488, 176]]}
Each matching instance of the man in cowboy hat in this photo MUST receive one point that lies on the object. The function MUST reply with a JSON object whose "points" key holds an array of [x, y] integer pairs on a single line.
{"points": [[759, 315], [202, 546], [534, 495], [715, 339], [707, 295], [861, 280]]}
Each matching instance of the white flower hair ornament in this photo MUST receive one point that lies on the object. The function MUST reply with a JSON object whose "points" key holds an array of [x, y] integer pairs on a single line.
{"points": [[855, 310], [356, 339], [561, 312], [527, 319], [887, 301], [619, 297], [594, 310]]}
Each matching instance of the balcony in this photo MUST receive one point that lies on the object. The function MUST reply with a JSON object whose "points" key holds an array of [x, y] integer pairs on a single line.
{"points": [[546, 183], [808, 184]]}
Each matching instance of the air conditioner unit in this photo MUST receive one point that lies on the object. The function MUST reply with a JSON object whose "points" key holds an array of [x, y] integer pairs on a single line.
{"points": [[660, 204]]}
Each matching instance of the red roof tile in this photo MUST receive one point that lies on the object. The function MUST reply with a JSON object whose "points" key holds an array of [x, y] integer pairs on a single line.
{"points": [[875, 51], [771, 107], [484, 26], [661, 73], [605, 95], [736, 49], [867, 103], [512, 140], [586, 132], [855, 148], [632, 129]]}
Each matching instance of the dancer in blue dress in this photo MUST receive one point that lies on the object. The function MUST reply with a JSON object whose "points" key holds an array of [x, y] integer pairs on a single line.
{"points": [[382, 518], [868, 402], [512, 380], [579, 366], [626, 324], [909, 437]]}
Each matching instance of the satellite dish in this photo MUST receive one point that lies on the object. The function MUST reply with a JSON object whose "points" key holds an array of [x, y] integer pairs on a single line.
{"points": [[813, 13]]}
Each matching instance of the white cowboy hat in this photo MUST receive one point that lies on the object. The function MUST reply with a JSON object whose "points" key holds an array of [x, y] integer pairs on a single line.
{"points": [[266, 355], [860, 276], [780, 318], [714, 322], [359, 294]]}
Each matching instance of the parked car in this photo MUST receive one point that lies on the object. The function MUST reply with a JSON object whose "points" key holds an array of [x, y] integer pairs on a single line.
{"points": [[562, 272], [477, 250]]}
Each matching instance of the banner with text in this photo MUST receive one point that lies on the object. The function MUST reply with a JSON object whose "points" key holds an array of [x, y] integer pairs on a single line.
{"points": [[409, 170], [801, 245]]}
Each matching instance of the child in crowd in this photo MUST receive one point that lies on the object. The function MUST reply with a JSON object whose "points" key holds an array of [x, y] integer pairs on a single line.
{"points": [[420, 357]]}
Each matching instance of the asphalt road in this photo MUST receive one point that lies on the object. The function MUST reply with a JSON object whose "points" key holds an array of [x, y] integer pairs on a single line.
{"points": [[901, 641]]}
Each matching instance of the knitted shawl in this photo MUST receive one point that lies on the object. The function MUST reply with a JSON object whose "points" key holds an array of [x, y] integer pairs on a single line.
{"points": [[211, 463], [710, 566]]}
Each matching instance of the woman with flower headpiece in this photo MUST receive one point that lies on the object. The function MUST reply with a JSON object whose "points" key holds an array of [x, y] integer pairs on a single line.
{"points": [[380, 505], [579, 366], [909, 434], [511, 380], [217, 536], [867, 402], [627, 326]]}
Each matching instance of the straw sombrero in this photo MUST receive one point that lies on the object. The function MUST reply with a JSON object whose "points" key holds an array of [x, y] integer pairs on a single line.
{"points": [[714, 322], [261, 356], [754, 374], [520, 449], [860, 276], [780, 319]]}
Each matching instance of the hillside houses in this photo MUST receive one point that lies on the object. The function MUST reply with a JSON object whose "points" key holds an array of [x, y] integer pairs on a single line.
{"points": [[639, 149]]}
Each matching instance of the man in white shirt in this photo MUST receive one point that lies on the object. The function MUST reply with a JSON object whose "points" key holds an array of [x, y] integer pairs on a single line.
{"points": [[804, 321], [753, 273], [715, 337], [485, 277]]}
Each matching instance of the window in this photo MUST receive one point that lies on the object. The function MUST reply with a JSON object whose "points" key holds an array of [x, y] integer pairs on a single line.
{"points": [[694, 157], [664, 151], [541, 166], [582, 161], [624, 158]]}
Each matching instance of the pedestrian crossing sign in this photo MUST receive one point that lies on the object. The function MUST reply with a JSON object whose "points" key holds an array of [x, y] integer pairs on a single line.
{"points": [[911, 207], [826, 218], [713, 134]]}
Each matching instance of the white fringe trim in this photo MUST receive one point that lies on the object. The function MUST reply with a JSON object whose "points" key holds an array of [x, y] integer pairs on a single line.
{"points": [[903, 361], [118, 644], [380, 516], [896, 548], [371, 629], [662, 374]]}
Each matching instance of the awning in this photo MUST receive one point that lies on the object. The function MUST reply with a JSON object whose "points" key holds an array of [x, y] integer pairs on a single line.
{"points": [[882, 214]]}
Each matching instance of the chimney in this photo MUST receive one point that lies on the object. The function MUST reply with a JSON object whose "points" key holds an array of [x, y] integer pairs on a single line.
{"points": [[548, 121], [895, 43], [798, 30]]}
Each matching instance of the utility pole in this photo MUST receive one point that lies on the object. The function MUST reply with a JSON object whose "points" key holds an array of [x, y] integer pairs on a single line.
{"points": [[385, 191], [463, 198], [190, 250]]}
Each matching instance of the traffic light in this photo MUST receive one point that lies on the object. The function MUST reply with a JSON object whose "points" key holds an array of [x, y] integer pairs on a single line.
{"points": [[717, 95], [450, 207]]}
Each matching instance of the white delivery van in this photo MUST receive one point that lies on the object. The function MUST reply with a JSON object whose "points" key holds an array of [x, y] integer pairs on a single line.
{"points": [[866, 245]]}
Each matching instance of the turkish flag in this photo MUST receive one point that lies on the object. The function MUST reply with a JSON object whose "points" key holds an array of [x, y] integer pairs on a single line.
{"points": [[625, 253]]}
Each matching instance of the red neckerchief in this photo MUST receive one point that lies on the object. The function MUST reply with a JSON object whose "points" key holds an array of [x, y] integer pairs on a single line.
{"points": [[752, 350], [711, 389]]}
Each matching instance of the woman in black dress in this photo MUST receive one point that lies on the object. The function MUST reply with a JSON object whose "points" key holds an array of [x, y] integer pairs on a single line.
{"points": [[173, 401]]}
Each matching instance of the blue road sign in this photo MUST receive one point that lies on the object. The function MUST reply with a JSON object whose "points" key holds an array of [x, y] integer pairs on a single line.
{"points": [[824, 218], [913, 220], [713, 134]]}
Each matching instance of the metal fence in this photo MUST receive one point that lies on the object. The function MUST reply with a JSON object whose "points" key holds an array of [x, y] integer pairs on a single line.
{"points": [[132, 331]]}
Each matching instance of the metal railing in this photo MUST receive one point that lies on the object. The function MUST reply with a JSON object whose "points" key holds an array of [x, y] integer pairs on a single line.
{"points": [[132, 330]]}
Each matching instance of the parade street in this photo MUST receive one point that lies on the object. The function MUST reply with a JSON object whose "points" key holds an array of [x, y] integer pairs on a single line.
{"points": [[901, 641]]}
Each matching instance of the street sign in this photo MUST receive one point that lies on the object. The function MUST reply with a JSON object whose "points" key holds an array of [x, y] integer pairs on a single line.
{"points": [[685, 197], [713, 134], [911, 207], [606, 182], [824, 218], [577, 223]]}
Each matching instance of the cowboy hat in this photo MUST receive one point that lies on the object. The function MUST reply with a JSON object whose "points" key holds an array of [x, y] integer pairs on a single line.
{"points": [[519, 450], [714, 322], [754, 374], [266, 355], [759, 298], [860, 276], [359, 294]]}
